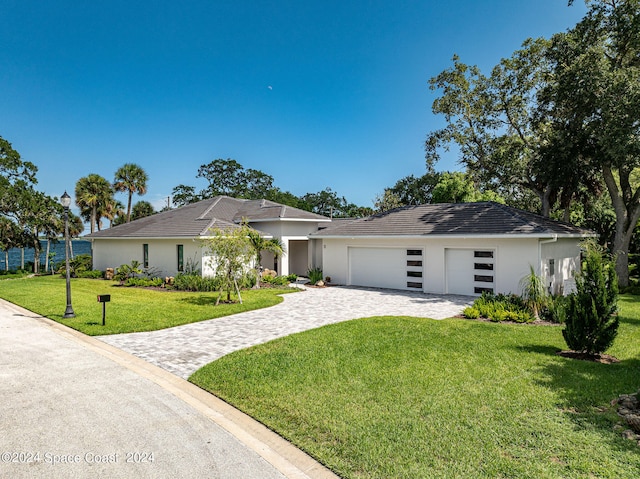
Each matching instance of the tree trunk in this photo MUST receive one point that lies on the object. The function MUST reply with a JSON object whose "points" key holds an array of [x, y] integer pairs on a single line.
{"points": [[627, 216], [46, 256], [6, 260], [22, 258]]}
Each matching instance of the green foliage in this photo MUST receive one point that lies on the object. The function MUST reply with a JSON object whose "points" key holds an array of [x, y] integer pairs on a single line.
{"points": [[80, 265], [591, 319], [144, 282], [231, 253], [458, 187], [314, 275], [501, 307], [276, 280], [130, 309], [131, 178], [471, 313], [126, 271], [93, 274], [555, 310], [506, 403], [534, 292], [195, 282]]}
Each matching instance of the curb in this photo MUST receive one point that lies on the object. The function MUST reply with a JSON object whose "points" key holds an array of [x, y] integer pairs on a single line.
{"points": [[281, 454]]}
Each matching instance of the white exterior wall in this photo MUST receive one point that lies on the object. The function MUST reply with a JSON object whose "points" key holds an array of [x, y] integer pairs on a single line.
{"points": [[511, 261], [289, 231], [163, 253], [565, 254]]}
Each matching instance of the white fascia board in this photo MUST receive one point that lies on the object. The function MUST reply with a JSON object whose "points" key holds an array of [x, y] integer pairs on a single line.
{"points": [[427, 236]]}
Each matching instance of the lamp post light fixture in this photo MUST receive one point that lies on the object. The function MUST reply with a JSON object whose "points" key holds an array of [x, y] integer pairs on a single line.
{"points": [[65, 201]]}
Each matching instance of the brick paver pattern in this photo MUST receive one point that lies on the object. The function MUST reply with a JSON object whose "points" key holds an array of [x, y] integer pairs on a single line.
{"points": [[182, 350]]}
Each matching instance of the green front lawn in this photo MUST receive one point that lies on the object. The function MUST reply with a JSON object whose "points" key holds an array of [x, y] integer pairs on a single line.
{"points": [[130, 309], [400, 397]]}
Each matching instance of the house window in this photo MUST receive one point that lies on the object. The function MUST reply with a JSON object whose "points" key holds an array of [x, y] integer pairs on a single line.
{"points": [[484, 266], [552, 267], [483, 279], [145, 255], [180, 257], [478, 290]]}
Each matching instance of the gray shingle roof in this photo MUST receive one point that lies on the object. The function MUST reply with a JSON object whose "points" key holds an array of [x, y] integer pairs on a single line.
{"points": [[453, 219], [197, 218]]}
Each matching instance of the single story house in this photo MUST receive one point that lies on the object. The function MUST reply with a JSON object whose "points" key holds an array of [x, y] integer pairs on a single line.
{"points": [[463, 248], [169, 241]]}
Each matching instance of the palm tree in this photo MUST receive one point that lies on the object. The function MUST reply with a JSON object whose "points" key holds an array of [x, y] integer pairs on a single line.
{"points": [[260, 244], [93, 193], [112, 210], [130, 178]]}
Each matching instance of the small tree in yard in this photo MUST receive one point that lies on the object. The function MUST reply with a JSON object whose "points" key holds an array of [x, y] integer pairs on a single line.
{"points": [[592, 322], [231, 253], [260, 244]]}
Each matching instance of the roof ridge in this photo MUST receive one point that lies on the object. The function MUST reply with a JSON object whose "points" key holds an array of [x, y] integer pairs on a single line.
{"points": [[203, 216]]}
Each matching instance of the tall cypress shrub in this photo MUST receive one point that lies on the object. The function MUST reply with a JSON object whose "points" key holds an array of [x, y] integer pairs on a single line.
{"points": [[592, 320]]}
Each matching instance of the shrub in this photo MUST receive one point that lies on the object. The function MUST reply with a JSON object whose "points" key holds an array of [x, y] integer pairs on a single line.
{"points": [[556, 309], [126, 271], [195, 282], [471, 313], [144, 282], [276, 280], [93, 274], [591, 319], [314, 275], [534, 292], [502, 307]]}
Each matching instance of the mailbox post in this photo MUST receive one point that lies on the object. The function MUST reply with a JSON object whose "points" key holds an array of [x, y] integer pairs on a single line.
{"points": [[104, 299]]}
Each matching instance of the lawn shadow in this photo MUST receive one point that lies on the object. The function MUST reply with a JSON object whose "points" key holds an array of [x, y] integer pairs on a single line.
{"points": [[585, 389], [200, 300]]}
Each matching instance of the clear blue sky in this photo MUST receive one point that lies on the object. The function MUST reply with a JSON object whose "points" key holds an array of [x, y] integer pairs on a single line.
{"points": [[315, 93]]}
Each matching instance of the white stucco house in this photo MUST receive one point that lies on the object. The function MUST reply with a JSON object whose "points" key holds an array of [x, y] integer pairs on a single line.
{"points": [[463, 248], [165, 242]]}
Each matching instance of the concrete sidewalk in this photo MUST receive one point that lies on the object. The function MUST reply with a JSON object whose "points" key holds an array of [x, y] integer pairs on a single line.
{"points": [[75, 407]]}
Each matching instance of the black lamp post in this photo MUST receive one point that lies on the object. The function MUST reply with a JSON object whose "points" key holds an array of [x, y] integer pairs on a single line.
{"points": [[65, 201]]}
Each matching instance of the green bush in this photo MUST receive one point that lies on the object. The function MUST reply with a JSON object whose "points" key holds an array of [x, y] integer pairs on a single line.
{"points": [[144, 282], [556, 309], [314, 275], [276, 280], [471, 313], [93, 274], [502, 307], [195, 282], [591, 319]]}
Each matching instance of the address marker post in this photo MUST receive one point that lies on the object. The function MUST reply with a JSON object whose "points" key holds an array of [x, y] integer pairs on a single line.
{"points": [[104, 299]]}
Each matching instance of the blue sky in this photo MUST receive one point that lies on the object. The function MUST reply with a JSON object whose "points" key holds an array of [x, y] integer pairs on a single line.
{"points": [[317, 94]]}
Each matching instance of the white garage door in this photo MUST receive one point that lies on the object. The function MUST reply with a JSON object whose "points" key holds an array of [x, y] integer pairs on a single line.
{"points": [[469, 272], [394, 268]]}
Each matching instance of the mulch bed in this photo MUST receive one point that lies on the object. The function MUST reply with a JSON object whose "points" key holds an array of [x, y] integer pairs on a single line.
{"points": [[597, 358]]}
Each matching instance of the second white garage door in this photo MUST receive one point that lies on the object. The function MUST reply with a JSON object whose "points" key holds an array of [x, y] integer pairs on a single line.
{"points": [[469, 272], [385, 268]]}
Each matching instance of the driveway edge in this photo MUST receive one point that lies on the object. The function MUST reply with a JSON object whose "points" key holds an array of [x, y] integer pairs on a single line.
{"points": [[281, 454]]}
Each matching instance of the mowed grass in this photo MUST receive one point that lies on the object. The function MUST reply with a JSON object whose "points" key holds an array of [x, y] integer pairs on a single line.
{"points": [[130, 309], [399, 397]]}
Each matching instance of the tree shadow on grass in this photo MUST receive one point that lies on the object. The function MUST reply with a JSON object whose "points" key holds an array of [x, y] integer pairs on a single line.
{"points": [[585, 389]]}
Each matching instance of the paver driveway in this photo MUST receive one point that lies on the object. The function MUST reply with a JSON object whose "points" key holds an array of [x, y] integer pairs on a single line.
{"points": [[184, 349]]}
